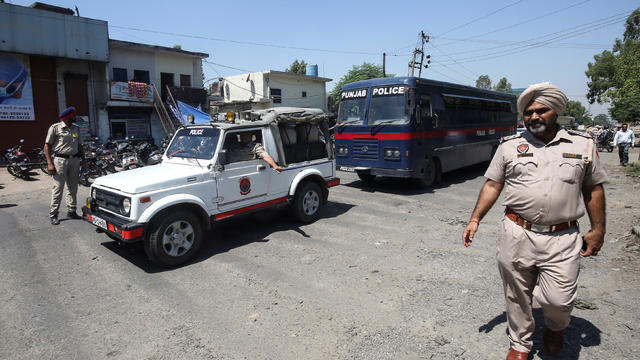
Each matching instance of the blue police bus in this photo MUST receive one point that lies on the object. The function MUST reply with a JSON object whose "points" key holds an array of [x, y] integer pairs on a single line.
{"points": [[417, 128]]}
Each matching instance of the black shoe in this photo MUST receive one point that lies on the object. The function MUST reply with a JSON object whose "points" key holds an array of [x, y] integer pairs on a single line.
{"points": [[54, 220], [73, 215]]}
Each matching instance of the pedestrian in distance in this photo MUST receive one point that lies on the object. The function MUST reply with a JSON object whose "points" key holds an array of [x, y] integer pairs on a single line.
{"points": [[624, 139], [547, 173], [63, 151]]}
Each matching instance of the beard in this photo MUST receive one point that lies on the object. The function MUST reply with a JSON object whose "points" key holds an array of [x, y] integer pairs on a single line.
{"points": [[537, 128]]}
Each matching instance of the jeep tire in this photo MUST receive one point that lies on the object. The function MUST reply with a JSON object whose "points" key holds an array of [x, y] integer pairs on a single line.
{"points": [[174, 238], [307, 202]]}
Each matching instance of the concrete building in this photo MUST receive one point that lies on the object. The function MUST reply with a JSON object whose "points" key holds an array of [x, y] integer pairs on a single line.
{"points": [[270, 88], [51, 59], [131, 70]]}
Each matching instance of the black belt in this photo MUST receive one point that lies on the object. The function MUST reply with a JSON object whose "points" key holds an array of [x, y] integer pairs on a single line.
{"points": [[67, 156]]}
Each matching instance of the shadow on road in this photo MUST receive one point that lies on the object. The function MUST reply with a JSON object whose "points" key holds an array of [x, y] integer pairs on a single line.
{"points": [[580, 333], [399, 186], [230, 234], [4, 206]]}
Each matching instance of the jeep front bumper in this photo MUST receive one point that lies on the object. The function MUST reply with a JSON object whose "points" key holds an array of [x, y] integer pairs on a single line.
{"points": [[125, 231]]}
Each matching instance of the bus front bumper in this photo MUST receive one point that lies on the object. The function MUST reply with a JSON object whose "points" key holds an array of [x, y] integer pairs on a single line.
{"points": [[401, 173]]}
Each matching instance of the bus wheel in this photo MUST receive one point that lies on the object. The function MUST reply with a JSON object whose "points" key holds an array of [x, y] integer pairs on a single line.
{"points": [[366, 177], [431, 173]]}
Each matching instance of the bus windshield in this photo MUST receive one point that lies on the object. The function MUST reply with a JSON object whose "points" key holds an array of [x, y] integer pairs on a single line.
{"points": [[387, 105], [352, 107]]}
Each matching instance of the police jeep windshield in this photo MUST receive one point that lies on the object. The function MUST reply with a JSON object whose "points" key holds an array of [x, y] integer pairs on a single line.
{"points": [[352, 107], [196, 143], [387, 105]]}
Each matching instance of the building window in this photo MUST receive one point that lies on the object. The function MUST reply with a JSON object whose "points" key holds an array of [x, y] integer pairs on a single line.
{"points": [[141, 76], [304, 94], [120, 74], [185, 80], [276, 95]]}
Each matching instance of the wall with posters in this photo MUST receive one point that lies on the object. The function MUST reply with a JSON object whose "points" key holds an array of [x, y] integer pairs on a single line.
{"points": [[16, 92]]}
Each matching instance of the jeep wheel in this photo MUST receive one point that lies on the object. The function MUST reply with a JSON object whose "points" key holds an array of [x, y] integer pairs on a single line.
{"points": [[308, 202], [174, 238]]}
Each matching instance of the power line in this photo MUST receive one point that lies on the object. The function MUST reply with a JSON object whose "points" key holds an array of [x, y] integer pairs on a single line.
{"points": [[454, 60], [580, 30], [254, 43], [554, 12], [481, 17]]}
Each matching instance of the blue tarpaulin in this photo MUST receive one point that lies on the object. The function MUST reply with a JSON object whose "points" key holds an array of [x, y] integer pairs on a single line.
{"points": [[199, 117]]}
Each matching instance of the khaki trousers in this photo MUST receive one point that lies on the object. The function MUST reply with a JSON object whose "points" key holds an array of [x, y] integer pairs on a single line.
{"points": [[66, 171], [540, 265]]}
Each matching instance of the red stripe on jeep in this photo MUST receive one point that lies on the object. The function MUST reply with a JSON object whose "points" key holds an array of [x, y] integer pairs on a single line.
{"points": [[334, 182], [132, 234], [252, 207]]}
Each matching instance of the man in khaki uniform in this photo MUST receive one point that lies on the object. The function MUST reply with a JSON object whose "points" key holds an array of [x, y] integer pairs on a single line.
{"points": [[248, 149], [550, 176], [63, 150]]}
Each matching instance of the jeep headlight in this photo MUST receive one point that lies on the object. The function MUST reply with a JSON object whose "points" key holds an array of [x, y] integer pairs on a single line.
{"points": [[93, 193], [126, 206]]}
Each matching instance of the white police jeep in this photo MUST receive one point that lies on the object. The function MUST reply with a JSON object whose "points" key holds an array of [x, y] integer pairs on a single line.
{"points": [[170, 205]]}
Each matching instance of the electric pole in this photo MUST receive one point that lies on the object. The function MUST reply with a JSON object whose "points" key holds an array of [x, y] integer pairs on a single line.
{"points": [[418, 56]]}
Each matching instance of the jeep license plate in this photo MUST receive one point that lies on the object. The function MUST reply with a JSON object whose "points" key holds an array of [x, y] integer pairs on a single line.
{"points": [[346, 168], [99, 222]]}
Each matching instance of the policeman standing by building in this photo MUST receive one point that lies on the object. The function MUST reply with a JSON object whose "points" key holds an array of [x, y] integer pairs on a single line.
{"points": [[550, 176], [63, 151]]}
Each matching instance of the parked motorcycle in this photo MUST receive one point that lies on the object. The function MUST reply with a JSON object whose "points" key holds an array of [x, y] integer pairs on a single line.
{"points": [[18, 163], [605, 141], [40, 159], [128, 155]]}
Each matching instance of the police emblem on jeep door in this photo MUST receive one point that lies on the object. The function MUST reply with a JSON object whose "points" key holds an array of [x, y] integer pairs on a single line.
{"points": [[245, 186]]}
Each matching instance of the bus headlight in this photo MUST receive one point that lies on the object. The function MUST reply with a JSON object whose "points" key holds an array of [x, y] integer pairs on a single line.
{"points": [[343, 151], [126, 206], [391, 153]]}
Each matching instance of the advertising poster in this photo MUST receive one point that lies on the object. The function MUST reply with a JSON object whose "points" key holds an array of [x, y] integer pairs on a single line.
{"points": [[16, 97]]}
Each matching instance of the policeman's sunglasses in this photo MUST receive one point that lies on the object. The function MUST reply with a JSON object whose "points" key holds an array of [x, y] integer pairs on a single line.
{"points": [[540, 111], [13, 86]]}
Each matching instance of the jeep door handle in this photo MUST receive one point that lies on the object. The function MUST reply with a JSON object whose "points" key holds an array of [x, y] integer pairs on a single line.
{"points": [[261, 167]]}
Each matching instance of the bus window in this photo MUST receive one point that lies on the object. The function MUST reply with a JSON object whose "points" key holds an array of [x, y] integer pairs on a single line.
{"points": [[387, 106], [425, 107]]}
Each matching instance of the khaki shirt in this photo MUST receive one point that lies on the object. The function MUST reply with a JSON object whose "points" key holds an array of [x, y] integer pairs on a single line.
{"points": [[244, 152], [543, 183], [64, 140]]}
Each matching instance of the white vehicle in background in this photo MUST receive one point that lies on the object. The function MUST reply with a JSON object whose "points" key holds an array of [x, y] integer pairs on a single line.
{"points": [[169, 206]]}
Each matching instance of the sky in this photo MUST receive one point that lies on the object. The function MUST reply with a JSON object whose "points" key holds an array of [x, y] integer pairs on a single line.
{"points": [[525, 41]]}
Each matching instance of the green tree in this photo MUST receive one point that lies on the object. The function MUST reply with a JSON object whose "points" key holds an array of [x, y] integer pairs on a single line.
{"points": [[297, 67], [483, 82], [578, 111], [614, 76], [177, 47], [503, 85], [601, 119], [363, 72]]}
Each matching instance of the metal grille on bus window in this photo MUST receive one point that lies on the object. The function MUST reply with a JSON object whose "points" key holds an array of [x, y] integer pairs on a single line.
{"points": [[365, 149], [108, 200]]}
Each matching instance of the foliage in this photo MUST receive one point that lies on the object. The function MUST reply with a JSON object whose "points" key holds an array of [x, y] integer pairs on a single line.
{"points": [[177, 47], [614, 76], [363, 72], [633, 169], [297, 67], [601, 119], [503, 85], [578, 111], [483, 82]]}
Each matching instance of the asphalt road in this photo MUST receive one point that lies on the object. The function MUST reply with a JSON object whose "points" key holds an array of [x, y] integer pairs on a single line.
{"points": [[382, 275]]}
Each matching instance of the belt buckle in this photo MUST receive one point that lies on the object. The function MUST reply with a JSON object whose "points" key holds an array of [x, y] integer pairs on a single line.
{"points": [[539, 228]]}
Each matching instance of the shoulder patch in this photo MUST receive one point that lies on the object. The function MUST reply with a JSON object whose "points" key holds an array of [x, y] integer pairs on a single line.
{"points": [[510, 137], [580, 133]]}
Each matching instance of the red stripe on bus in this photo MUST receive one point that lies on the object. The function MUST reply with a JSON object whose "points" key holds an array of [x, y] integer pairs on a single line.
{"points": [[252, 207], [416, 135]]}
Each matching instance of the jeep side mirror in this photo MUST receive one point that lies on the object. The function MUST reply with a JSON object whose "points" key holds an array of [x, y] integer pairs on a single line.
{"points": [[222, 157]]}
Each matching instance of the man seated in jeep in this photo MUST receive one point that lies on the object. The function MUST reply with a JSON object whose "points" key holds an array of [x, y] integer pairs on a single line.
{"points": [[247, 149]]}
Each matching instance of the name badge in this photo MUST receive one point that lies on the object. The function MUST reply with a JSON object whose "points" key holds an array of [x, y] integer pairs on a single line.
{"points": [[525, 155], [571, 156]]}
